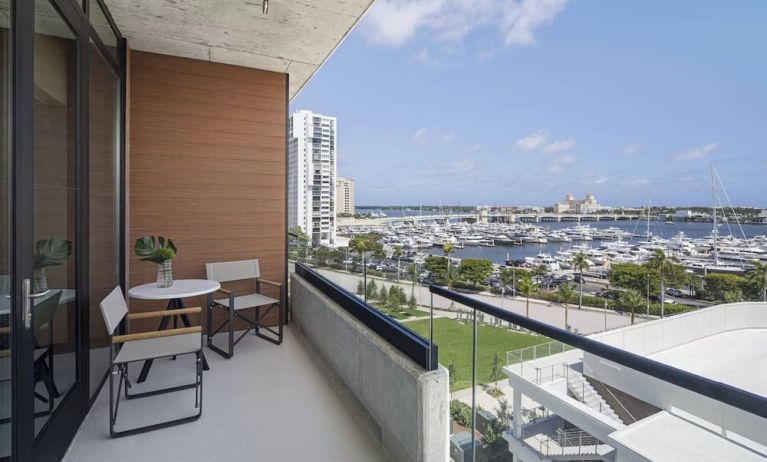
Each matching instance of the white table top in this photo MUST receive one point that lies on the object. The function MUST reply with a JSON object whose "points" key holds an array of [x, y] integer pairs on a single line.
{"points": [[181, 288]]}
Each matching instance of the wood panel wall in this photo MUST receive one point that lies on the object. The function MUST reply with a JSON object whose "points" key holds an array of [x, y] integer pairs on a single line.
{"points": [[206, 165]]}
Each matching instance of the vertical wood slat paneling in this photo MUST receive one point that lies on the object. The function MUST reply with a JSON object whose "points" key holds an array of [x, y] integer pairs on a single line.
{"points": [[214, 211]]}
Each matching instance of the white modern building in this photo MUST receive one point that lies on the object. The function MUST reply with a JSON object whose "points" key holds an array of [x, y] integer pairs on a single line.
{"points": [[345, 195], [312, 175], [576, 405]]}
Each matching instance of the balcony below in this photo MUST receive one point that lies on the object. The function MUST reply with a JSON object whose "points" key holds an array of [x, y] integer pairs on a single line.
{"points": [[267, 403]]}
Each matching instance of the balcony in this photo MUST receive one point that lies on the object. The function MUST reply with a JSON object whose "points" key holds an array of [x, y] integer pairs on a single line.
{"points": [[269, 403], [307, 399]]}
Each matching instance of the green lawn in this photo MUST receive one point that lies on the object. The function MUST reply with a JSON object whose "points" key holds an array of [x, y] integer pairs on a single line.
{"points": [[454, 341]]}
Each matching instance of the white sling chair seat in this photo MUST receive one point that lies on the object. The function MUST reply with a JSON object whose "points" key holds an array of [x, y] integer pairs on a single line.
{"points": [[154, 348], [248, 301]]}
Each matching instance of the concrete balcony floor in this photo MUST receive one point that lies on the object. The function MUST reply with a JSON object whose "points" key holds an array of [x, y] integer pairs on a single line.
{"points": [[267, 403]]}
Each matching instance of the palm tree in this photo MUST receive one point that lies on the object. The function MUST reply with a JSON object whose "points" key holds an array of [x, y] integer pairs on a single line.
{"points": [[527, 287], [398, 253], [580, 263], [507, 279], [632, 300], [565, 293], [660, 263], [448, 249], [759, 275], [412, 271], [362, 244]]}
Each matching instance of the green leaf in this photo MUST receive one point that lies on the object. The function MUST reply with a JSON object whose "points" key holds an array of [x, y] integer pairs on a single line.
{"points": [[51, 252], [155, 249]]}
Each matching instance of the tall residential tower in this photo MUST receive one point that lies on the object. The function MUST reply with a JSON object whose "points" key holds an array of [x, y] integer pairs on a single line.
{"points": [[345, 195], [312, 176]]}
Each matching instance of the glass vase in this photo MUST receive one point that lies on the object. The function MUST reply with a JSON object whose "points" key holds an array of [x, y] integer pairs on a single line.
{"points": [[165, 274], [40, 281]]}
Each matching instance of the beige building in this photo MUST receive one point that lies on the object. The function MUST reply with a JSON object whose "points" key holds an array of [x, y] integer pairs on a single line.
{"points": [[573, 205], [345, 196]]}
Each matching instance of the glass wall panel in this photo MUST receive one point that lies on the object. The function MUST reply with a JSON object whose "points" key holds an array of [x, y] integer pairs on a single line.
{"points": [[103, 28], [5, 227], [54, 316], [104, 236]]}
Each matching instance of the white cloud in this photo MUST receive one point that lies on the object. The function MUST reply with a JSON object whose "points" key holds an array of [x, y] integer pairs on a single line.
{"points": [[475, 147], [697, 152], [395, 22], [601, 180], [520, 19], [637, 182], [428, 135], [557, 164], [630, 150], [559, 145], [532, 142], [539, 141], [463, 166], [423, 56]]}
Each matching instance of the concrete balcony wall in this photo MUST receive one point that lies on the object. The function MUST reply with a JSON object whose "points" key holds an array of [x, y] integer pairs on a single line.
{"points": [[407, 406]]}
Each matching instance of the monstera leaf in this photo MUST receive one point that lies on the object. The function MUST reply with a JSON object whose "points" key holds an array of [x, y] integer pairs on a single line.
{"points": [[51, 252], [156, 249]]}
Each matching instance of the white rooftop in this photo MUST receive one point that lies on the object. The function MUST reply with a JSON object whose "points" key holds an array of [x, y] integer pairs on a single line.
{"points": [[666, 437], [737, 358]]}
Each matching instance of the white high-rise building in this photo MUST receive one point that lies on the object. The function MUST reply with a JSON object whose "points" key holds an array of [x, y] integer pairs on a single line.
{"points": [[312, 175], [345, 195]]}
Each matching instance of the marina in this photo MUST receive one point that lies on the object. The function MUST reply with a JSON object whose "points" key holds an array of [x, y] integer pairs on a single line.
{"points": [[732, 248]]}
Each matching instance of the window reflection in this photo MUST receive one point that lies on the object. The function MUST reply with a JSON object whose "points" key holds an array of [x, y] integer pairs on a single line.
{"points": [[103, 192], [55, 212]]}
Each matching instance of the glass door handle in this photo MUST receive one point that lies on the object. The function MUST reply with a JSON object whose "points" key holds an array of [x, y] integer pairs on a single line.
{"points": [[26, 298]]}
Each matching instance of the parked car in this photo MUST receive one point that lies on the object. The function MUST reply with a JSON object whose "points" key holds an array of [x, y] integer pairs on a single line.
{"points": [[674, 292]]}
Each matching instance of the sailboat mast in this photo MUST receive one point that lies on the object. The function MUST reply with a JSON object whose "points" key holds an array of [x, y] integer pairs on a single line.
{"points": [[715, 232], [648, 220]]}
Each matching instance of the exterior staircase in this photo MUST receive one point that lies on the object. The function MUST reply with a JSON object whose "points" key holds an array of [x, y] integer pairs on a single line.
{"points": [[570, 445], [583, 391]]}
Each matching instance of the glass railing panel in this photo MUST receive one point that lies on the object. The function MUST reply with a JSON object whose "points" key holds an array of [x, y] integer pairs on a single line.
{"points": [[603, 385]]}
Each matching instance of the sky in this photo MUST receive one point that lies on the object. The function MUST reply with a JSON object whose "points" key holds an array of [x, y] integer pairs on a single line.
{"points": [[505, 102]]}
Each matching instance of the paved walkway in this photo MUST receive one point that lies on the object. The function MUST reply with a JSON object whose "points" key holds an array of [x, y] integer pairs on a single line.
{"points": [[584, 321]]}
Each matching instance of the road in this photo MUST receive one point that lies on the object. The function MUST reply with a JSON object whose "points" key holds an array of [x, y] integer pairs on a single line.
{"points": [[584, 321]]}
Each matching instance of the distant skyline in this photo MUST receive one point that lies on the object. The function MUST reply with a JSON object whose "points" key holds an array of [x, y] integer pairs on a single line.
{"points": [[520, 102]]}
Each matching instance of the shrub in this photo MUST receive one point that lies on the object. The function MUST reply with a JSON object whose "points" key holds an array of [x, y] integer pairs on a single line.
{"points": [[460, 413]]}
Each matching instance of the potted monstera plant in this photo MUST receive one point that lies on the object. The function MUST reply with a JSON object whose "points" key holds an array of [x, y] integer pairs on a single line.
{"points": [[48, 252], [161, 251]]}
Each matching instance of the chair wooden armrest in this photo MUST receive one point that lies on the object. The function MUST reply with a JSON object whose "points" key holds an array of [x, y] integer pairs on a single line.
{"points": [[163, 313], [224, 291], [271, 283], [155, 334]]}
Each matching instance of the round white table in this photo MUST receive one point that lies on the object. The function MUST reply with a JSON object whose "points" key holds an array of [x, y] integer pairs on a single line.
{"points": [[181, 288]]}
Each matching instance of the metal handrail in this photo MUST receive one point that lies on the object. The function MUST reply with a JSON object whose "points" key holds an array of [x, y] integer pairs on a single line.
{"points": [[722, 392]]}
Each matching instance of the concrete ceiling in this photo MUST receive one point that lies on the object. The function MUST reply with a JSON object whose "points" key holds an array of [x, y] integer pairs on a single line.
{"points": [[296, 36]]}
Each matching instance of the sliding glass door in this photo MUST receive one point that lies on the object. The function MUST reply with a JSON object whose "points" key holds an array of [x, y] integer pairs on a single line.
{"points": [[60, 221], [6, 331]]}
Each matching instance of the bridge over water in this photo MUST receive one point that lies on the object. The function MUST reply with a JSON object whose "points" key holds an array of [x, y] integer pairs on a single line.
{"points": [[489, 217]]}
